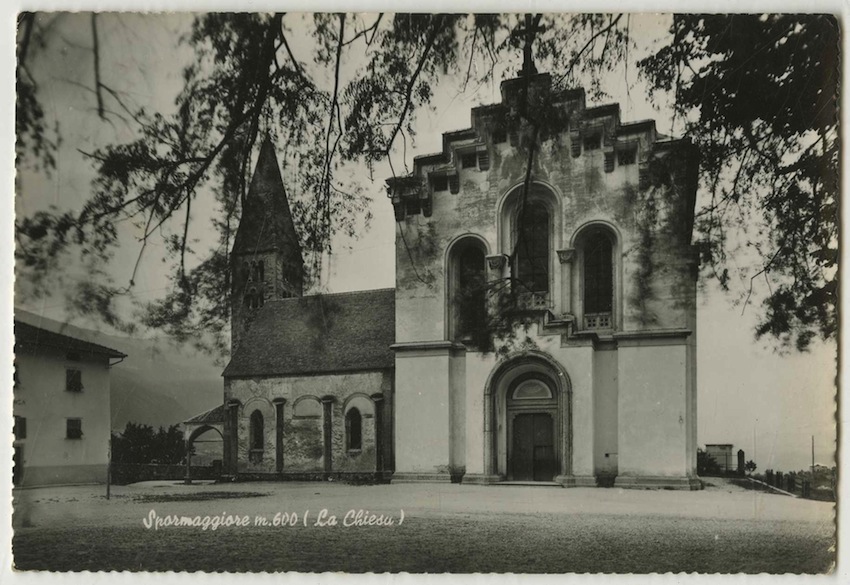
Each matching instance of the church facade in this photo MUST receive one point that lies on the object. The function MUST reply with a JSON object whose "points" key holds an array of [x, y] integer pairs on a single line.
{"points": [[542, 327]]}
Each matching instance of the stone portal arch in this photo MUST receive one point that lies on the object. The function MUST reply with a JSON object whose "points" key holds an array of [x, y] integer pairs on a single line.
{"points": [[527, 388], [190, 441]]}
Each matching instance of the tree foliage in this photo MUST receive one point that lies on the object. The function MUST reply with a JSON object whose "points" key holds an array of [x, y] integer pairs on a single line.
{"points": [[766, 127], [758, 94], [140, 444], [706, 464]]}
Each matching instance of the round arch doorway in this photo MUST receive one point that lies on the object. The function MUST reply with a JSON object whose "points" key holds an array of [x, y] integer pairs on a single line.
{"points": [[533, 439], [528, 420]]}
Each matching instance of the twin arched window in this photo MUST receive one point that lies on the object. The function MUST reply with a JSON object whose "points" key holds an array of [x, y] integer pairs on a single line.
{"points": [[254, 274]]}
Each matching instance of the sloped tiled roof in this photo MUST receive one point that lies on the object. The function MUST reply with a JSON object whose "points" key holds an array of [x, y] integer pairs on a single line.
{"points": [[31, 338], [318, 334], [213, 415]]}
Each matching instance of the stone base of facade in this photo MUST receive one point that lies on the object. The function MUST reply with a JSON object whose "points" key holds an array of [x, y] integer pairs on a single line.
{"points": [[353, 477], [413, 477], [569, 481], [646, 482], [481, 479]]}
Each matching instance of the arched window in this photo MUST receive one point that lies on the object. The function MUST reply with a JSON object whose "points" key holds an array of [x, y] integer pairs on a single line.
{"points": [[259, 270], [354, 430], [256, 437], [469, 290], [598, 279], [532, 247]]}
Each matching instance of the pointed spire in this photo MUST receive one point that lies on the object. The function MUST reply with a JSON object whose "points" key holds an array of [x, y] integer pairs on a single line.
{"points": [[266, 222]]}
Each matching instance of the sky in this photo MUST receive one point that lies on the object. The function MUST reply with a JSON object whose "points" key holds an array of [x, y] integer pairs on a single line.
{"points": [[770, 405]]}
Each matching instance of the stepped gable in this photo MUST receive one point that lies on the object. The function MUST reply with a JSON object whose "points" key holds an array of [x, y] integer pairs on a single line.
{"points": [[266, 222], [495, 124], [318, 334]]}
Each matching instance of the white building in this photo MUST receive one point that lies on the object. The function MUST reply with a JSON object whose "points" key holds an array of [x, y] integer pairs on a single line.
{"points": [[61, 405]]}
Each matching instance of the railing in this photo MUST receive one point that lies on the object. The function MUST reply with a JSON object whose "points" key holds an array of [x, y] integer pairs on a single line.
{"points": [[532, 301], [597, 321]]}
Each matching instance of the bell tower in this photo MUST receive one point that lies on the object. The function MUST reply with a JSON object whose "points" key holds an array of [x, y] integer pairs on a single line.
{"points": [[266, 261]]}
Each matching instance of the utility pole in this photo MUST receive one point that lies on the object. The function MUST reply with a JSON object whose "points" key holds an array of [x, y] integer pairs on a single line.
{"points": [[813, 457], [109, 466]]}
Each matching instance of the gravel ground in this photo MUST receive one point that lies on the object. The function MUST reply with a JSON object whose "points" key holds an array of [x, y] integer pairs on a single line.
{"points": [[445, 528]]}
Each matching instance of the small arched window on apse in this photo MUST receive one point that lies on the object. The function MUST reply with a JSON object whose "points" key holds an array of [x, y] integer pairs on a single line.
{"points": [[353, 430], [597, 278], [467, 290], [531, 244], [256, 436]]}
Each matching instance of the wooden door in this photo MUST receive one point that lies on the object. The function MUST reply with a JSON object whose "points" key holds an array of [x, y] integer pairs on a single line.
{"points": [[533, 447]]}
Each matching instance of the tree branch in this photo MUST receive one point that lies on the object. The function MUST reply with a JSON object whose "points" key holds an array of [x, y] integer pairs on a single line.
{"points": [[96, 52], [589, 42]]}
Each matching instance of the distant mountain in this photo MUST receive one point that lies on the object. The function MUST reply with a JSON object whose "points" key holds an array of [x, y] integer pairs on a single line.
{"points": [[160, 383]]}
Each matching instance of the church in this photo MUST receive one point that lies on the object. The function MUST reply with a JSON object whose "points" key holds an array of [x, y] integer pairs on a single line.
{"points": [[542, 328]]}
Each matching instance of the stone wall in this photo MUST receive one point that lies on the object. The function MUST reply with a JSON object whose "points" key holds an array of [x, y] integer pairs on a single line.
{"points": [[304, 448]]}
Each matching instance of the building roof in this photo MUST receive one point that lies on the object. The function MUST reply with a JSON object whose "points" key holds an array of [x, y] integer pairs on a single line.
{"points": [[266, 222], [213, 415], [31, 338], [318, 334]]}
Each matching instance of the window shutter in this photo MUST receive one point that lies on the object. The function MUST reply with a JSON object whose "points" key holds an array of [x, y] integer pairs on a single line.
{"points": [[484, 160]]}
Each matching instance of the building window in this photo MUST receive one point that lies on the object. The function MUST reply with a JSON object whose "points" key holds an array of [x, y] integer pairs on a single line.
{"points": [[598, 281], [454, 184], [575, 146], [354, 430], [593, 142], [484, 160], [74, 428], [532, 247], [532, 389], [469, 290], [411, 206], [73, 380], [468, 161], [440, 183], [627, 156], [254, 298], [257, 438], [255, 274], [20, 428], [609, 162], [499, 136]]}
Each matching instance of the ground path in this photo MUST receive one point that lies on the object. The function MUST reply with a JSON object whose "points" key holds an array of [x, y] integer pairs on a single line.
{"points": [[454, 528]]}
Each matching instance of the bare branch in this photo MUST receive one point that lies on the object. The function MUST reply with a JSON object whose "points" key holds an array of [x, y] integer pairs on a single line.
{"points": [[365, 31], [438, 25], [568, 70], [96, 51]]}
